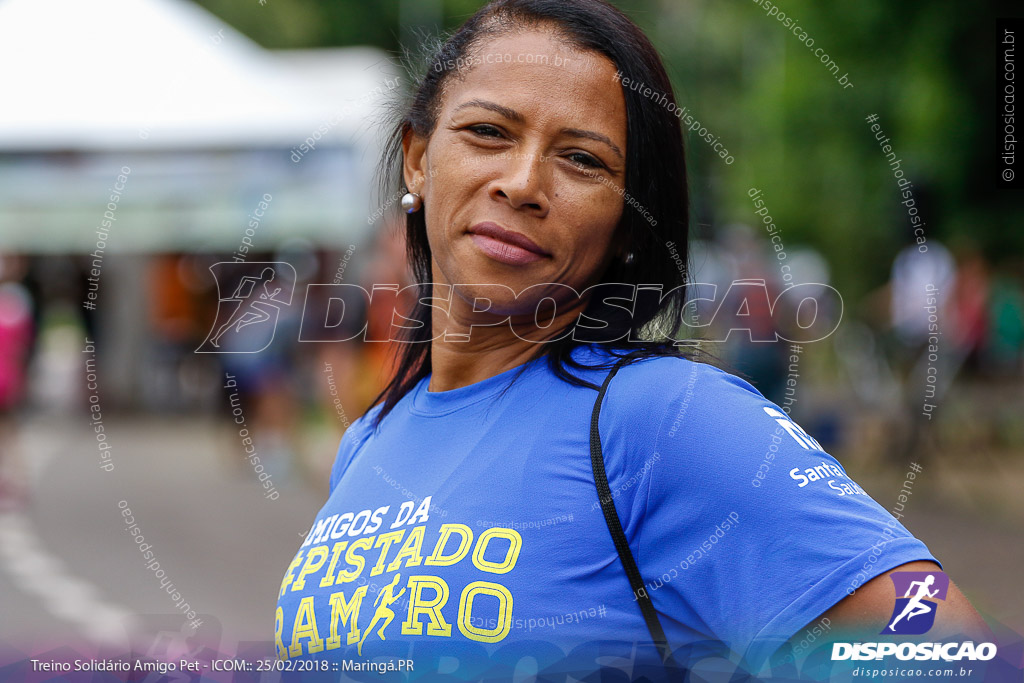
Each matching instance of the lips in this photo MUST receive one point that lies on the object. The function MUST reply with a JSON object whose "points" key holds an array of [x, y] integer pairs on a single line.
{"points": [[503, 245], [495, 231]]}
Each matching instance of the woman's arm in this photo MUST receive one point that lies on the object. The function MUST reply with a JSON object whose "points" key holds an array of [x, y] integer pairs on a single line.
{"points": [[870, 607]]}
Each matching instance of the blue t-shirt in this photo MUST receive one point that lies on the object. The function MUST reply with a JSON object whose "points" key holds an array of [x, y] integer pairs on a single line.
{"points": [[466, 533]]}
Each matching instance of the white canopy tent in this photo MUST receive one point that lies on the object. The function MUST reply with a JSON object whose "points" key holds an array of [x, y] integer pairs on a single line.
{"points": [[206, 120]]}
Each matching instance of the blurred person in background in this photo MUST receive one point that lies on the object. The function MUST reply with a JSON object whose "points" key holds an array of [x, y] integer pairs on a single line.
{"points": [[356, 370], [338, 373], [387, 265], [174, 320], [919, 281], [16, 332], [265, 379], [745, 313], [969, 306], [1004, 351], [920, 290]]}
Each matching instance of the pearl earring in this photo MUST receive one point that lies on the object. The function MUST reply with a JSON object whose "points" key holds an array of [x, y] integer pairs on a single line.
{"points": [[411, 202], [630, 257]]}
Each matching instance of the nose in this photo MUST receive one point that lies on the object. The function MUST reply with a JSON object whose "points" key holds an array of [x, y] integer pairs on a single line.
{"points": [[522, 184]]}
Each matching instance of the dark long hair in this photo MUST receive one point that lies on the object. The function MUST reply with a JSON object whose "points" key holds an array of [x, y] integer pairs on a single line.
{"points": [[655, 181]]}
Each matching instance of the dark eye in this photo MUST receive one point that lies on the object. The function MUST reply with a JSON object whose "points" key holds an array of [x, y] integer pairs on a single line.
{"points": [[584, 159], [485, 130]]}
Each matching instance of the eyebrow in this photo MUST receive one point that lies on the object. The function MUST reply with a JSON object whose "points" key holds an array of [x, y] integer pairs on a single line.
{"points": [[597, 137], [513, 115], [507, 112]]}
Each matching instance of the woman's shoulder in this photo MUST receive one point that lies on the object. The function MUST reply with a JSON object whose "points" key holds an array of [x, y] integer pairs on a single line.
{"points": [[356, 434], [678, 405], [655, 382], [363, 426]]}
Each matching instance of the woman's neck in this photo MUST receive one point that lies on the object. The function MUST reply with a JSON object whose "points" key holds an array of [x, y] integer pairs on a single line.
{"points": [[467, 348]]}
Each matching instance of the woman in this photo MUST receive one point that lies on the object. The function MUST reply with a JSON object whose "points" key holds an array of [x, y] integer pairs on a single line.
{"points": [[464, 519]]}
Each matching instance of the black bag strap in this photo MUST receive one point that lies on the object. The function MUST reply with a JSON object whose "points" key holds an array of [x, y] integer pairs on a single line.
{"points": [[615, 527]]}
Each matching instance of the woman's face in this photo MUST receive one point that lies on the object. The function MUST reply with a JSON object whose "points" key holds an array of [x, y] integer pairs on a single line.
{"points": [[530, 139]]}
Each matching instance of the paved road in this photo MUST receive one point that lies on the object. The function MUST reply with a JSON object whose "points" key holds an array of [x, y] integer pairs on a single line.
{"points": [[69, 568]]}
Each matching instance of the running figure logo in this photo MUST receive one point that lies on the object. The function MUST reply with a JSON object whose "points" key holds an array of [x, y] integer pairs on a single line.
{"points": [[914, 613], [247, 319], [383, 610]]}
